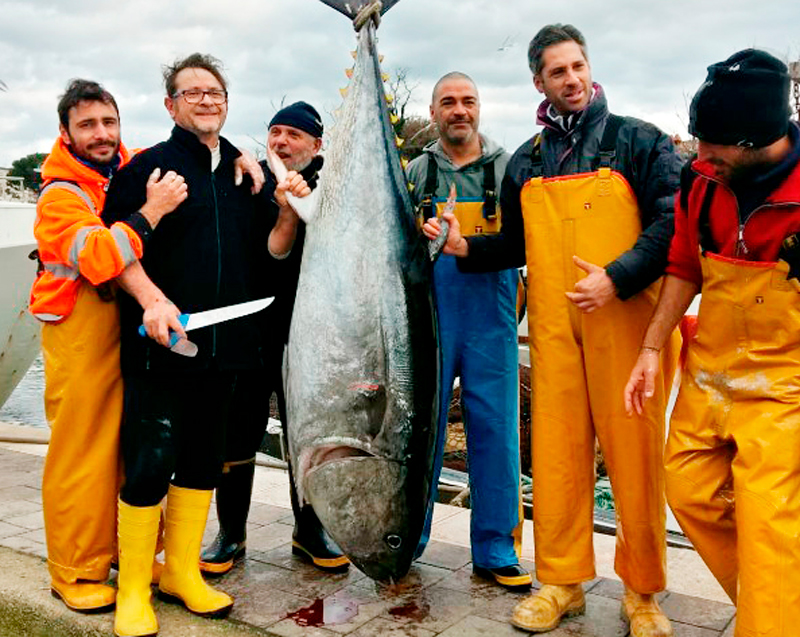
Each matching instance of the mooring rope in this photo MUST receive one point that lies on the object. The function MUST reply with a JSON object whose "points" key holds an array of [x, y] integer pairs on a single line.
{"points": [[368, 12]]}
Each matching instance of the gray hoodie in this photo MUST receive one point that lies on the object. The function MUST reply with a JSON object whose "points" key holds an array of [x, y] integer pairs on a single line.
{"points": [[468, 178]]}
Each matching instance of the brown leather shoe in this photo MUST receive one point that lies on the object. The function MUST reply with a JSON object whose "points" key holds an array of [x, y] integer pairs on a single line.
{"points": [[545, 609], [85, 597], [644, 615]]}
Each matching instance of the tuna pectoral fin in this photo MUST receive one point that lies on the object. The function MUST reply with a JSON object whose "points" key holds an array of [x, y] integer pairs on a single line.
{"points": [[351, 7], [305, 207], [363, 503]]}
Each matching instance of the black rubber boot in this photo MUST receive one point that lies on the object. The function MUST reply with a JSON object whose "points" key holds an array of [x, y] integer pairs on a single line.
{"points": [[311, 541], [233, 505]]}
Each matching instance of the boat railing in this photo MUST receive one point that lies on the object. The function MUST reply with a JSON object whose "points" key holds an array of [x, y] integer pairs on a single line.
{"points": [[13, 189]]}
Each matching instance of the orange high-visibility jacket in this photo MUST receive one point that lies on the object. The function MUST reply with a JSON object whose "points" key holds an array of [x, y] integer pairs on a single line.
{"points": [[75, 247]]}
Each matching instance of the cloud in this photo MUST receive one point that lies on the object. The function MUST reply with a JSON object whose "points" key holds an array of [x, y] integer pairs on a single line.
{"points": [[650, 57]]}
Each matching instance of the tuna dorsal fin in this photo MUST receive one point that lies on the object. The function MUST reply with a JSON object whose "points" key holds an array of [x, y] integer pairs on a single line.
{"points": [[351, 7]]}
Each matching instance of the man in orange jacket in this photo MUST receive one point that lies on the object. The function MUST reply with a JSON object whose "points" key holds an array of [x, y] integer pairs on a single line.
{"points": [[80, 336]]}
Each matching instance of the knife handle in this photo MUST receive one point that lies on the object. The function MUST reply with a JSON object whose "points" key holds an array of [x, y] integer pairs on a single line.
{"points": [[183, 318]]}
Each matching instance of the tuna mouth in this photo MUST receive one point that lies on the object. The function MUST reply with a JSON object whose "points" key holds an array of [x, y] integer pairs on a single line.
{"points": [[331, 450], [326, 453], [323, 455]]}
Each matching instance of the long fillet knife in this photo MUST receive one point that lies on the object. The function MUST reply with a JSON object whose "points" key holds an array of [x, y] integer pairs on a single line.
{"points": [[196, 320]]}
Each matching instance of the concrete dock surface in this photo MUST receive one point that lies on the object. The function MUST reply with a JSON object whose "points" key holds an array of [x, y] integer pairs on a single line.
{"points": [[278, 594]]}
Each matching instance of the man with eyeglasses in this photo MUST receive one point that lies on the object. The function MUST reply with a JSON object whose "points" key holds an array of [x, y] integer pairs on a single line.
{"points": [[176, 407]]}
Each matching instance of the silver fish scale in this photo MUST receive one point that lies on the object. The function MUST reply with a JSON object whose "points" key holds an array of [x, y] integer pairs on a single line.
{"points": [[362, 359], [350, 303]]}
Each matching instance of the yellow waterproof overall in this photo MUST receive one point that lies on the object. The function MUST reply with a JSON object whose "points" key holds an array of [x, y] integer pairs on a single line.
{"points": [[580, 365], [733, 453], [83, 404]]}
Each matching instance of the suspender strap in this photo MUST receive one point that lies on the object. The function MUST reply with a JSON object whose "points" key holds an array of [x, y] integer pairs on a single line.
{"points": [[537, 169], [703, 223], [608, 145], [687, 179], [489, 191], [426, 203], [607, 153]]}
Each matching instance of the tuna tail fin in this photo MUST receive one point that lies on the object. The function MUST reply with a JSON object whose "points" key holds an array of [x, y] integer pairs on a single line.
{"points": [[350, 8]]}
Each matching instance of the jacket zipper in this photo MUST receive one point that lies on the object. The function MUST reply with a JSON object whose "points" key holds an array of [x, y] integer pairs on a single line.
{"points": [[219, 261], [741, 246]]}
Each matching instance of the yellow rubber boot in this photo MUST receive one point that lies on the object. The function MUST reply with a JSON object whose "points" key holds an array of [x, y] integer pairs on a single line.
{"points": [[138, 532], [644, 615], [545, 609], [181, 581], [158, 567]]}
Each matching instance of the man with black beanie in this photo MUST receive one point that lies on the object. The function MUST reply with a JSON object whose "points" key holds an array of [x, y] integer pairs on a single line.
{"points": [[733, 453], [295, 136]]}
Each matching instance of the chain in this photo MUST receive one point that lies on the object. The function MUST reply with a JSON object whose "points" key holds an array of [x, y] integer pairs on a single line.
{"points": [[796, 85]]}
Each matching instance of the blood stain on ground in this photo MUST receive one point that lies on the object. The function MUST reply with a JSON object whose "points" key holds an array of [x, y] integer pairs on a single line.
{"points": [[325, 612], [413, 610]]}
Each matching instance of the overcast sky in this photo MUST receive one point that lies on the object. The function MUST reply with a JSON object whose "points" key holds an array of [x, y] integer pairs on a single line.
{"points": [[649, 56]]}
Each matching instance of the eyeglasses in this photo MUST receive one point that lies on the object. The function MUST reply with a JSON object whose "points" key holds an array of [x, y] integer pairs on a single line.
{"points": [[195, 95]]}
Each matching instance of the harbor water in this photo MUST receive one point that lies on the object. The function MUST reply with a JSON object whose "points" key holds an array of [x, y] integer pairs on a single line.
{"points": [[25, 406]]}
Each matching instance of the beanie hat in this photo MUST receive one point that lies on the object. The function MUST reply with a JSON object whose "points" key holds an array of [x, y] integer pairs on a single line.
{"points": [[299, 115], [743, 102]]}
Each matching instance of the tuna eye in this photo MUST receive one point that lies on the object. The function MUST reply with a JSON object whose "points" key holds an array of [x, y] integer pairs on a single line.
{"points": [[393, 541]]}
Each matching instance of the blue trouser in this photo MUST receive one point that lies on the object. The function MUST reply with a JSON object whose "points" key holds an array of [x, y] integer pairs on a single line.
{"points": [[478, 343]]}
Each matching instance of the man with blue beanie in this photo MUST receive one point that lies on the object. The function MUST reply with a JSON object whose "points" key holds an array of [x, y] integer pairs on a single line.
{"points": [[295, 135]]}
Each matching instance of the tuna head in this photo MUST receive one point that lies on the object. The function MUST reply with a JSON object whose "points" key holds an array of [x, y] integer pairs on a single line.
{"points": [[361, 501]]}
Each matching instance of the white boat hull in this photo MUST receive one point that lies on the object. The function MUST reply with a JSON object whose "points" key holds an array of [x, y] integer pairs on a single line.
{"points": [[19, 331]]}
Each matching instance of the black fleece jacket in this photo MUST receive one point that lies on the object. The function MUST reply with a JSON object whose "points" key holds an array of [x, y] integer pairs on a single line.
{"points": [[210, 252]]}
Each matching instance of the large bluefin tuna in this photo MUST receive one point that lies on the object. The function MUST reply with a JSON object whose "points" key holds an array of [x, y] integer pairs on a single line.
{"points": [[361, 383]]}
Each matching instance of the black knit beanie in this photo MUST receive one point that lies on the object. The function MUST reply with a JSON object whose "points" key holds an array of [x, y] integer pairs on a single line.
{"points": [[743, 102], [299, 115]]}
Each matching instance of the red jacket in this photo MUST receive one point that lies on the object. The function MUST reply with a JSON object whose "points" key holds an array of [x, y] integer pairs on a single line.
{"points": [[74, 245], [759, 239]]}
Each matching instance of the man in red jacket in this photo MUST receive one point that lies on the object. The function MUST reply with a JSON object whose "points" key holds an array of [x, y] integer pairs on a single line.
{"points": [[80, 337], [733, 452]]}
